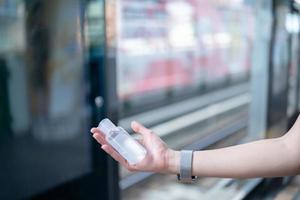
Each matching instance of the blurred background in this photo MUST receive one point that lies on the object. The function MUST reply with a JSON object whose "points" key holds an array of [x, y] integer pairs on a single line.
{"points": [[202, 74]]}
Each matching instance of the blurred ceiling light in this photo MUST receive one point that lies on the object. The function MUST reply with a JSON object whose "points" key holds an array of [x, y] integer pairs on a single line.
{"points": [[182, 35], [292, 23]]}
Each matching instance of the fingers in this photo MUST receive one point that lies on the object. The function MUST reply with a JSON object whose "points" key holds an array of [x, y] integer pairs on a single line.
{"points": [[96, 130], [113, 153], [98, 135], [141, 141], [100, 138], [139, 128]]}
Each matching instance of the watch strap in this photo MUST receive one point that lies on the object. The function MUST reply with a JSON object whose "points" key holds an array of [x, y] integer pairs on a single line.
{"points": [[186, 163]]}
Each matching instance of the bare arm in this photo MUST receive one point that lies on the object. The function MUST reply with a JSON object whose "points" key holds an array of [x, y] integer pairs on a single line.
{"points": [[264, 158]]}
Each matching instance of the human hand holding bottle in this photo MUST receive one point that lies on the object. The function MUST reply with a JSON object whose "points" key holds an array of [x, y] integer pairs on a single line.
{"points": [[159, 158], [249, 160]]}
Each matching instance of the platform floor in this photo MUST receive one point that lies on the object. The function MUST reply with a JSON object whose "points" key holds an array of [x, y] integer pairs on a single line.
{"points": [[288, 189], [207, 188]]}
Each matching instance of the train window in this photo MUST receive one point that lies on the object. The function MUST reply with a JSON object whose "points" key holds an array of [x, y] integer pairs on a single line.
{"points": [[43, 112], [189, 69], [167, 60], [164, 55]]}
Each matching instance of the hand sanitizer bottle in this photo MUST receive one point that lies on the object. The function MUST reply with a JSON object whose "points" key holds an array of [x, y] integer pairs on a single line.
{"points": [[122, 142]]}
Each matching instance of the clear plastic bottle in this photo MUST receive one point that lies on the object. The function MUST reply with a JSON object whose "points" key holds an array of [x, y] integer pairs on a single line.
{"points": [[122, 142]]}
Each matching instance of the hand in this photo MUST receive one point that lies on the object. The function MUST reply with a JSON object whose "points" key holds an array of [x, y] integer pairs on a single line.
{"points": [[159, 157]]}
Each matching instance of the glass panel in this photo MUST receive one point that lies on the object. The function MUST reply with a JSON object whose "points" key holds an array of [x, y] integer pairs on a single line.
{"points": [[43, 113], [172, 50], [195, 72]]}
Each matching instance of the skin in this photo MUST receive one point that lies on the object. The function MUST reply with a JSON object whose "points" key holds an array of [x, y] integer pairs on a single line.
{"points": [[264, 158]]}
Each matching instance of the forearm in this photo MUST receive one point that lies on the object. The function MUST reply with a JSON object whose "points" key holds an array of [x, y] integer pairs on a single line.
{"points": [[264, 158]]}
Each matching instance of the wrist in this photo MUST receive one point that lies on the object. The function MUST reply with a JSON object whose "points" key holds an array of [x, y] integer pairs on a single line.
{"points": [[173, 161]]}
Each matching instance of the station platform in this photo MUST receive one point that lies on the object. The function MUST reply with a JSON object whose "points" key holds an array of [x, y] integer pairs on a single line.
{"points": [[202, 75]]}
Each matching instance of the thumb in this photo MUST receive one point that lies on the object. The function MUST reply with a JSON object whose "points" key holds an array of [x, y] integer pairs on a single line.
{"points": [[139, 128]]}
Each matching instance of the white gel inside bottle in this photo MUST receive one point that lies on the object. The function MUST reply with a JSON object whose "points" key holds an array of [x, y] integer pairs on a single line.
{"points": [[122, 142]]}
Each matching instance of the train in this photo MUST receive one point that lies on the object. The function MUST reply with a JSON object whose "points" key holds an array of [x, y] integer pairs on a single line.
{"points": [[159, 49]]}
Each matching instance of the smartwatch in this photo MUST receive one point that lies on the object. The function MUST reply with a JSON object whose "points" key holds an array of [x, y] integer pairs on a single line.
{"points": [[186, 163]]}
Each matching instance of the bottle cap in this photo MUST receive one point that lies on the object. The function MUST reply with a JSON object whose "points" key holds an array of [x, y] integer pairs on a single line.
{"points": [[106, 126]]}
